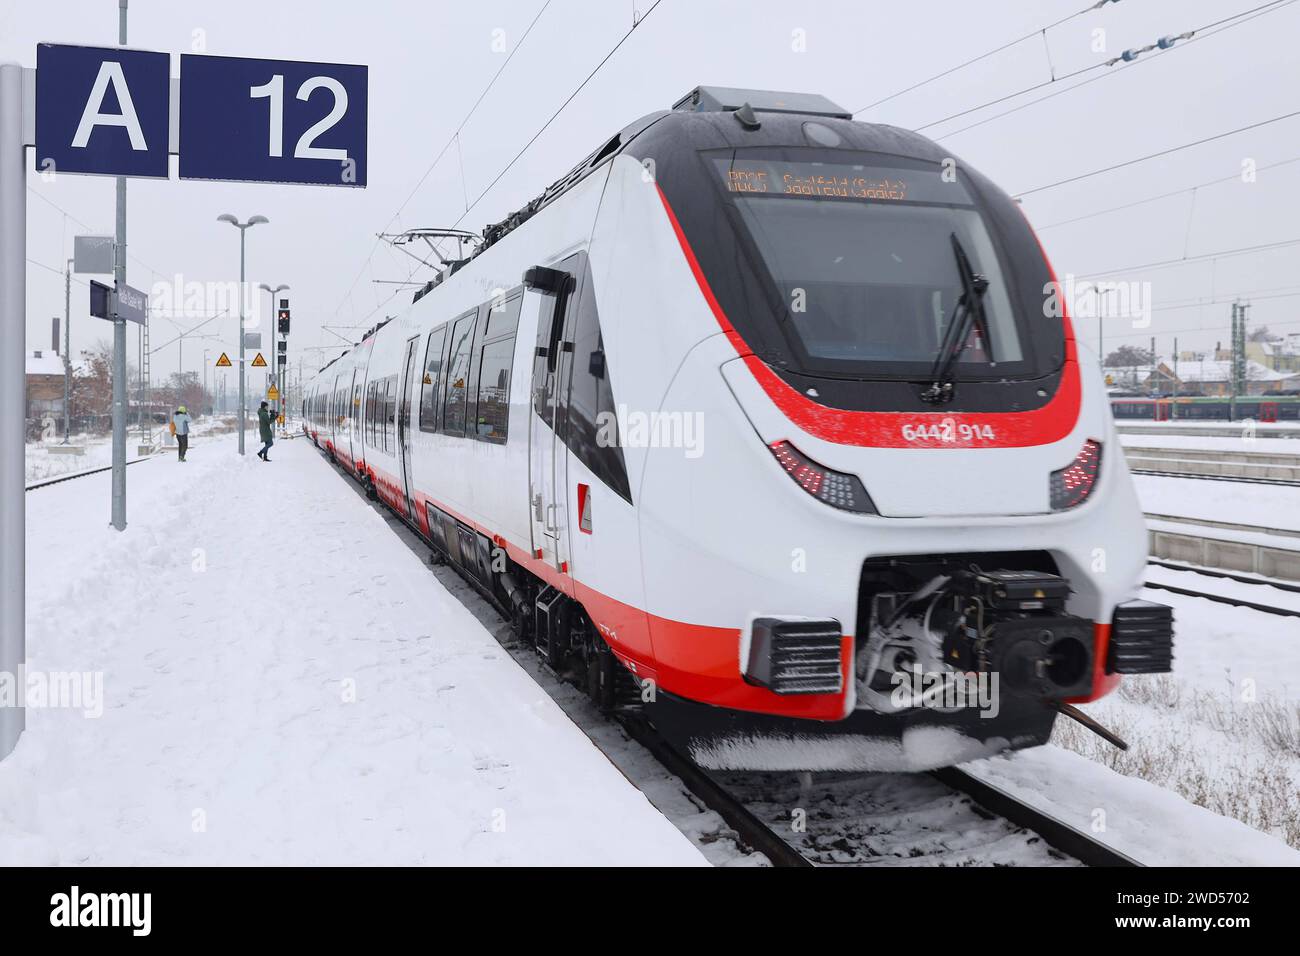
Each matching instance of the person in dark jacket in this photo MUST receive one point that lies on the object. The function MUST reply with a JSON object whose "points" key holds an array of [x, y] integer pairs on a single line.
{"points": [[265, 422]]}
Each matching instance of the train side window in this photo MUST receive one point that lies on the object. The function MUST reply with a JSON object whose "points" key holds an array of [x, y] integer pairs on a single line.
{"points": [[592, 432], [371, 388], [495, 359], [455, 400], [381, 426], [432, 380], [390, 412], [503, 314], [550, 335]]}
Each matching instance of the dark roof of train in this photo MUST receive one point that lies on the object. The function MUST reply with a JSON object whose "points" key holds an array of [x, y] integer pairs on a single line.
{"points": [[695, 130], [709, 128]]}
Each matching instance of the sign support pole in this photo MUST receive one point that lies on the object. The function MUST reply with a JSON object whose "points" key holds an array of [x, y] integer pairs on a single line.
{"points": [[119, 336], [243, 404], [67, 353], [13, 402]]}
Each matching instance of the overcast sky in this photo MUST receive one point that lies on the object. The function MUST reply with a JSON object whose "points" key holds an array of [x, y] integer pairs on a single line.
{"points": [[430, 60]]}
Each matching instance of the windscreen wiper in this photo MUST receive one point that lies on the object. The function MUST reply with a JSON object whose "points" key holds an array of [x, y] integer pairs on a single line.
{"points": [[969, 310]]}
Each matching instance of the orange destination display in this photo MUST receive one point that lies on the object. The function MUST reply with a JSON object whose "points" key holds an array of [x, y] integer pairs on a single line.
{"points": [[764, 177]]}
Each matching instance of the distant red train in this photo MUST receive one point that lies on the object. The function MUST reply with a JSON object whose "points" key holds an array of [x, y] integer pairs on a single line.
{"points": [[755, 414]]}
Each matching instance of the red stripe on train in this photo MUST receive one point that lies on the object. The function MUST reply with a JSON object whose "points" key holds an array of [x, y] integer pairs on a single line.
{"points": [[697, 661], [1042, 426]]}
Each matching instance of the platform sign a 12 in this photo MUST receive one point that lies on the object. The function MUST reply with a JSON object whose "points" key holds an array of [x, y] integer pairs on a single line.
{"points": [[102, 110], [279, 121]]}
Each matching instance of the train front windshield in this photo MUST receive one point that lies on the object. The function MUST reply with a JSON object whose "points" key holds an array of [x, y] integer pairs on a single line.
{"points": [[863, 259]]}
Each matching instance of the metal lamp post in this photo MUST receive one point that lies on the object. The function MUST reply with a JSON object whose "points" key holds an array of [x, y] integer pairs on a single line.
{"points": [[243, 227]]}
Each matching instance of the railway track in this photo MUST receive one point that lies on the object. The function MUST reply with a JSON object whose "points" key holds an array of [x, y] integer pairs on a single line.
{"points": [[1223, 598], [82, 474], [1228, 575], [943, 818], [46, 482], [1280, 482], [988, 825]]}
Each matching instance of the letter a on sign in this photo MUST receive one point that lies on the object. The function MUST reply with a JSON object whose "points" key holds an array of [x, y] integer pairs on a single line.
{"points": [[259, 362], [93, 115], [102, 110]]}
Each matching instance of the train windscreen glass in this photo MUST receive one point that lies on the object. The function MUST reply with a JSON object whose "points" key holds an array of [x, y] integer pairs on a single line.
{"points": [[863, 258]]}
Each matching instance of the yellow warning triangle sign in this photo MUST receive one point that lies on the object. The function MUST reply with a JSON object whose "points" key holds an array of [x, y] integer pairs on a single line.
{"points": [[224, 361], [259, 362]]}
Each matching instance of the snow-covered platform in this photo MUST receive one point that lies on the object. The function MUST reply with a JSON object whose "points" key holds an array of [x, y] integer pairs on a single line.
{"points": [[283, 681]]}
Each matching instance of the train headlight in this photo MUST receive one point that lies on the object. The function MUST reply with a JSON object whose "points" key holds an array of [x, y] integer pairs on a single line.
{"points": [[1072, 484], [833, 487]]}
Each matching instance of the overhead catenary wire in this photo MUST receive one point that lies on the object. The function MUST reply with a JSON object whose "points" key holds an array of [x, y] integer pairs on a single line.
{"points": [[454, 138], [1224, 299], [1146, 334], [52, 204], [1186, 38], [1169, 263], [1041, 31], [569, 99], [1164, 152], [190, 331], [1235, 177]]}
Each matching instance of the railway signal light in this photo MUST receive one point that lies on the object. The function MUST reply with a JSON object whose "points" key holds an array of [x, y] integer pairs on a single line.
{"points": [[282, 317]]}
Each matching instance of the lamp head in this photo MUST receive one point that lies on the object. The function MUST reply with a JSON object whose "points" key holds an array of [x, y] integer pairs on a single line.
{"points": [[227, 217]]}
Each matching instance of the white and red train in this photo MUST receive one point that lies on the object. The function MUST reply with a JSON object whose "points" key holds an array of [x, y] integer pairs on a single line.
{"points": [[758, 416]]}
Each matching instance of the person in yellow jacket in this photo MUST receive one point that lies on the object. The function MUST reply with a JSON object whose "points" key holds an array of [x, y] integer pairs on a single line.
{"points": [[181, 429]]}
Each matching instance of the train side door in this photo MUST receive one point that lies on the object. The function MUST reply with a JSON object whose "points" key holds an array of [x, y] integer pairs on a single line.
{"points": [[404, 419], [332, 411], [353, 400], [546, 450], [1268, 411]]}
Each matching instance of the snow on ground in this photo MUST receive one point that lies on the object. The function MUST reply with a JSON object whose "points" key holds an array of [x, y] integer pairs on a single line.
{"points": [[283, 682], [706, 829], [1266, 506], [1212, 776], [43, 463]]}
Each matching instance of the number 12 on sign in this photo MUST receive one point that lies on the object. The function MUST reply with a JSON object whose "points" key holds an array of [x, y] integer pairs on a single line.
{"points": [[236, 119], [306, 148]]}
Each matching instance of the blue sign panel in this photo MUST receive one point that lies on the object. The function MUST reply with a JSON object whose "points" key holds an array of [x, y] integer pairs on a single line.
{"points": [[101, 306], [102, 110], [276, 121], [132, 304]]}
